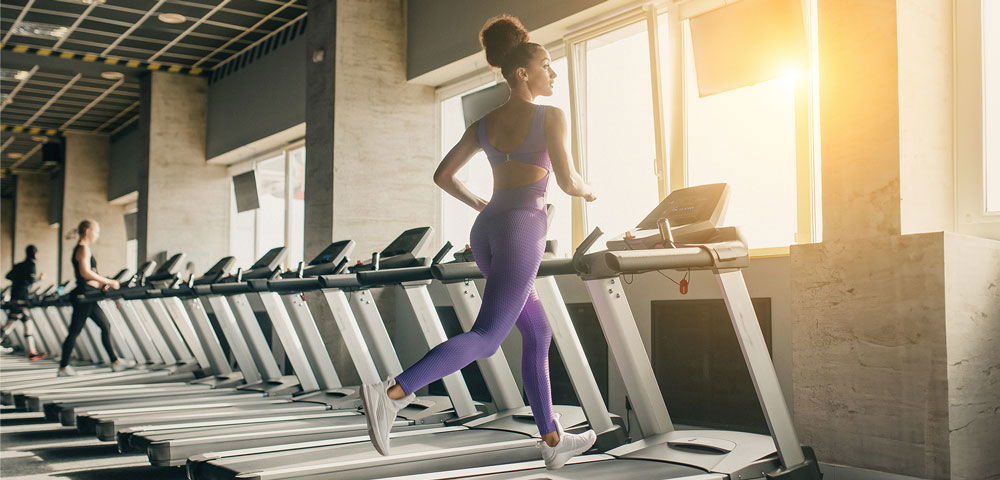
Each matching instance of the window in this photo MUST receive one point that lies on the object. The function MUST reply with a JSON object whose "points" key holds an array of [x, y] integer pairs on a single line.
{"points": [[618, 141], [278, 221], [746, 138], [760, 138], [991, 103], [977, 118]]}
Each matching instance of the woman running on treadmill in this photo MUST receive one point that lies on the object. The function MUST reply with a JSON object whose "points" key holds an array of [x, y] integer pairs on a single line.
{"points": [[22, 276], [87, 280], [524, 143]]}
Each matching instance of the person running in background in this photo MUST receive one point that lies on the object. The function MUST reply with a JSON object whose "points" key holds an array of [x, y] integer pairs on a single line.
{"points": [[87, 279], [22, 276]]}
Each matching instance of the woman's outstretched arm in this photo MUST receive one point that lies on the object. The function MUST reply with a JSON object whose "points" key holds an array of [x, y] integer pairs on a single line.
{"points": [[569, 180]]}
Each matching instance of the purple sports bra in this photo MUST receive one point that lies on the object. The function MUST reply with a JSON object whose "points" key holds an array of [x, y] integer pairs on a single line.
{"points": [[534, 151]]}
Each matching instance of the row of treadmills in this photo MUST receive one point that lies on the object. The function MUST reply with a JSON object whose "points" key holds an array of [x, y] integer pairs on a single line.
{"points": [[236, 381]]}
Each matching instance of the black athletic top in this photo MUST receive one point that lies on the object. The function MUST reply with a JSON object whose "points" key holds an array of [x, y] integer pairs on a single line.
{"points": [[81, 283], [21, 277]]}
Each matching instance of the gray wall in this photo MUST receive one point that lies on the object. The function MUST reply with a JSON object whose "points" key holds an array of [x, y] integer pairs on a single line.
{"points": [[442, 31], [261, 99], [123, 168]]}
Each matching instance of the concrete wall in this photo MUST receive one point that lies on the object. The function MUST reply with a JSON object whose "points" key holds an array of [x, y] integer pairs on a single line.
{"points": [[126, 153], [442, 31], [85, 197], [31, 223], [261, 99], [972, 330], [371, 137], [6, 235], [926, 104], [183, 201]]}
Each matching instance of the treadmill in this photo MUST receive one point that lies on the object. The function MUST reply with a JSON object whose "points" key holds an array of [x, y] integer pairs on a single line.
{"points": [[509, 435], [14, 392], [205, 363], [251, 349], [136, 313], [174, 445], [680, 233]]}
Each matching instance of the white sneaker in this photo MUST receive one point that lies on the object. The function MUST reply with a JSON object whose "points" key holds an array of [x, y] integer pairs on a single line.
{"points": [[66, 372], [380, 411], [6, 350], [123, 364], [569, 446]]}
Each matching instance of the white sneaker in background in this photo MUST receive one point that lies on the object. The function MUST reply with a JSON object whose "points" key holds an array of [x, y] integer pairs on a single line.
{"points": [[6, 350], [569, 446], [66, 372], [123, 364], [380, 411]]}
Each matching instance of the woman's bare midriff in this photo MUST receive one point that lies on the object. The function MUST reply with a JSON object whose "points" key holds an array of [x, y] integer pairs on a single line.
{"points": [[514, 173]]}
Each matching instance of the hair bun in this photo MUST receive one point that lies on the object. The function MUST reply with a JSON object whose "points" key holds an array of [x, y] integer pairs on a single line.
{"points": [[499, 36]]}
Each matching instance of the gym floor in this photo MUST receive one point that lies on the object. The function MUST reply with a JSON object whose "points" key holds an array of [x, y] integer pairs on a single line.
{"points": [[31, 448]]}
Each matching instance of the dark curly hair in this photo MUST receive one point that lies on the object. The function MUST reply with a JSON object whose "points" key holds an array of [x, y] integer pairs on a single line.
{"points": [[506, 43]]}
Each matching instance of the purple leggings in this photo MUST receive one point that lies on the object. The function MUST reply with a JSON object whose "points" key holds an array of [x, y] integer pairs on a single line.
{"points": [[508, 247]]}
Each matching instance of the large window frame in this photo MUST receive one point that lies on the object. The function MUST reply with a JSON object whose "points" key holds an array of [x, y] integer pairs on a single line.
{"points": [[667, 87], [971, 143], [285, 152]]}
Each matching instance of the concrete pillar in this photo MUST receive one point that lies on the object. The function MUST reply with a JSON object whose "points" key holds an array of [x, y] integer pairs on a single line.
{"points": [[370, 136], [887, 334], [6, 234], [183, 201], [31, 223], [85, 196]]}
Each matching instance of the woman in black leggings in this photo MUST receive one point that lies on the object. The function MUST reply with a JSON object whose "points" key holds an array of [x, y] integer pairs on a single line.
{"points": [[87, 279]]}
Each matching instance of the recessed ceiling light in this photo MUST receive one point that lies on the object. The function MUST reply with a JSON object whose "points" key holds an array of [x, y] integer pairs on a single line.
{"points": [[39, 30], [40, 139], [112, 75], [171, 18], [15, 155], [13, 74], [93, 2]]}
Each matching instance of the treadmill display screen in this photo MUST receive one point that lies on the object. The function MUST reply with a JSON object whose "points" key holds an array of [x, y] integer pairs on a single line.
{"points": [[331, 253], [170, 265], [269, 258], [221, 266], [406, 242], [687, 206]]}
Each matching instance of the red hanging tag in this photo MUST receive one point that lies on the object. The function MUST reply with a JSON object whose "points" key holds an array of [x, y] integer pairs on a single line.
{"points": [[684, 286]]}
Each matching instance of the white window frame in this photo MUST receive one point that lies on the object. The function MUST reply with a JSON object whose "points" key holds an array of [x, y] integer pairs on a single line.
{"points": [[247, 165], [669, 127], [971, 215]]}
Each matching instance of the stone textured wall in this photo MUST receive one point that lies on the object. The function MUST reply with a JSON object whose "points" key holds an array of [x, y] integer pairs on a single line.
{"points": [[859, 127], [85, 195], [183, 201], [370, 140], [926, 163], [972, 310], [384, 130], [870, 375], [31, 224]]}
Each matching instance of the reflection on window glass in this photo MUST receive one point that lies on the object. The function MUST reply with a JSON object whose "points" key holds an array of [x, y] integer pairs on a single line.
{"points": [[456, 217], [271, 215], [296, 206], [991, 102], [746, 138], [619, 141]]}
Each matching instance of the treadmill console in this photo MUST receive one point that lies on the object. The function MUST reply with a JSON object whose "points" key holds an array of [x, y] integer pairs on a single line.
{"points": [[168, 270], [402, 252], [693, 215]]}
